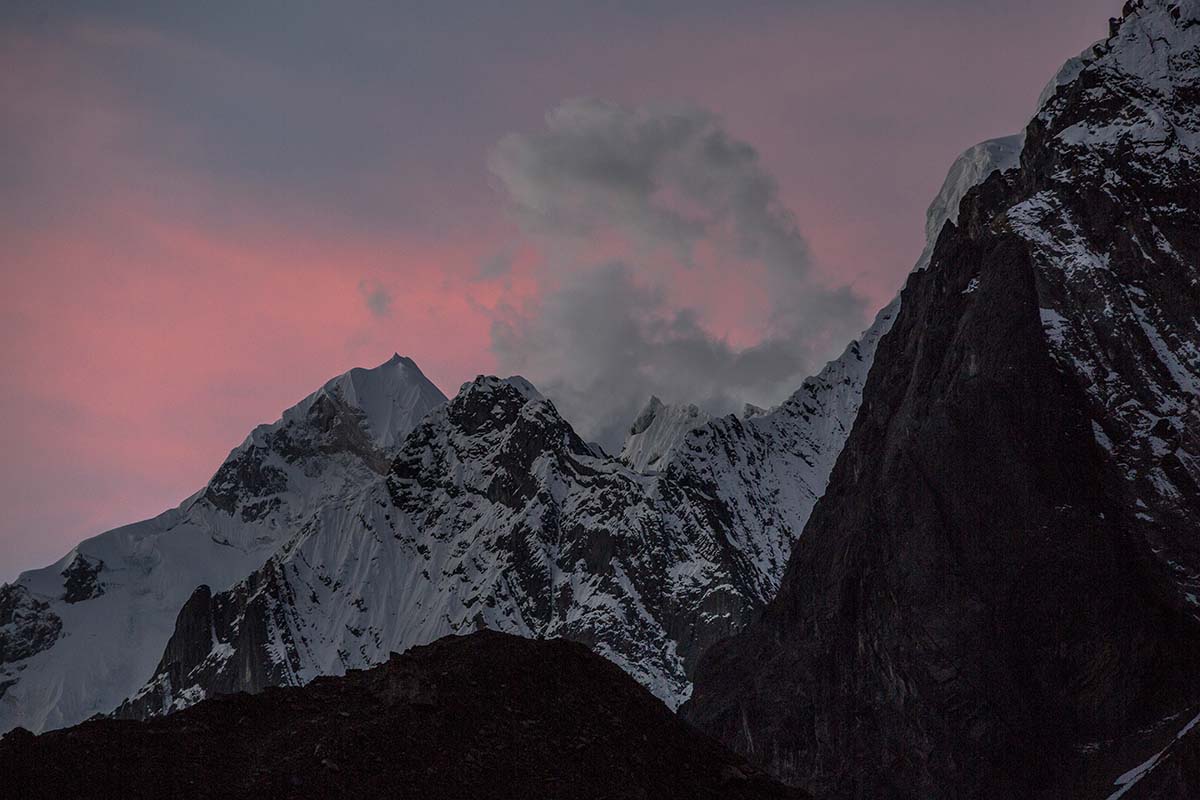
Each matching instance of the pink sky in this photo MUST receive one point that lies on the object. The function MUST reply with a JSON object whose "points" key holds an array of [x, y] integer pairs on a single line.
{"points": [[181, 264]]}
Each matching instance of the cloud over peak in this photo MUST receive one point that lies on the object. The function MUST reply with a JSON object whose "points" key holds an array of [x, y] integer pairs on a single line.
{"points": [[672, 266]]}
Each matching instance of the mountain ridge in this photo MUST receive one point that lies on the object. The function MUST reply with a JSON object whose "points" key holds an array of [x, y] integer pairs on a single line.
{"points": [[482, 715]]}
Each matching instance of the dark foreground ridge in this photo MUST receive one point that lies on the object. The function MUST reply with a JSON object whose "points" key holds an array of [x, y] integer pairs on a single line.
{"points": [[484, 715]]}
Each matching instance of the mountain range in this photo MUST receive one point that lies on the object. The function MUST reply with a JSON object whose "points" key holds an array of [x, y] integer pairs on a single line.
{"points": [[959, 562], [648, 557]]}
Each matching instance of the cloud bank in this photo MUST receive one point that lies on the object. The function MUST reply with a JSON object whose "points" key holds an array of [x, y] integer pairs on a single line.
{"points": [[671, 267]]}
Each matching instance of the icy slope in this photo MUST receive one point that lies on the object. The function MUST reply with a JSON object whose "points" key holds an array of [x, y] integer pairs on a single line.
{"points": [[112, 601]]}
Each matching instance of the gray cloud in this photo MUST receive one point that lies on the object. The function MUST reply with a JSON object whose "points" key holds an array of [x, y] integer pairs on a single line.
{"points": [[657, 191], [376, 298], [495, 266], [664, 176]]}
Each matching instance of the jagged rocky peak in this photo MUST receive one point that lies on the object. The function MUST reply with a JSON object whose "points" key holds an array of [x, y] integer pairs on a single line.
{"points": [[996, 595], [657, 431], [498, 428], [504, 421], [489, 403]]}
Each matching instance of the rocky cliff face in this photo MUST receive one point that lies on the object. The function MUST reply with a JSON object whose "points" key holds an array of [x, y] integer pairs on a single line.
{"points": [[996, 597], [90, 628]]}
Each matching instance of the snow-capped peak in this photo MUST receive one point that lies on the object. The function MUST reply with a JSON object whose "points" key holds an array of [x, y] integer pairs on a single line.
{"points": [[393, 397], [94, 623]]}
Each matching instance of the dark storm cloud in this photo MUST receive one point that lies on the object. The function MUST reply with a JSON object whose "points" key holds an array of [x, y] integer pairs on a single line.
{"points": [[664, 187]]}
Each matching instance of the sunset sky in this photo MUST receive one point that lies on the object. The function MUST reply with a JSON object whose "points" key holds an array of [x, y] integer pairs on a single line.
{"points": [[206, 211]]}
